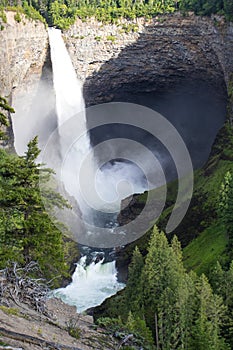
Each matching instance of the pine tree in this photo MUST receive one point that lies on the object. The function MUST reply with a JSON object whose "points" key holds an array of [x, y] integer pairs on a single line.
{"points": [[165, 300], [226, 209], [139, 328], [211, 313], [25, 225], [133, 290], [222, 283], [5, 108], [228, 8]]}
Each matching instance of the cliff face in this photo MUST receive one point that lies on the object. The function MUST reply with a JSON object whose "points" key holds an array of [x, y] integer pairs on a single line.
{"points": [[144, 54], [23, 51], [160, 52], [22, 56]]}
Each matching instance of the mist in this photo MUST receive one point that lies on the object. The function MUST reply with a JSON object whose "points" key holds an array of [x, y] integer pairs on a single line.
{"points": [[100, 166]]}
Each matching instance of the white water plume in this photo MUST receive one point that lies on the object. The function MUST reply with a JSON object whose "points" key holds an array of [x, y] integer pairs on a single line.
{"points": [[101, 189], [91, 285], [68, 89]]}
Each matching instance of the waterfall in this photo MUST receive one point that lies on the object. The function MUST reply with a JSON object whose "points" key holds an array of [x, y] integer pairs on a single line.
{"points": [[98, 189], [91, 285], [68, 89], [70, 106]]}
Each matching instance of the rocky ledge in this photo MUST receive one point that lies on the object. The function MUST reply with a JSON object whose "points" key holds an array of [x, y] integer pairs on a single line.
{"points": [[24, 329]]}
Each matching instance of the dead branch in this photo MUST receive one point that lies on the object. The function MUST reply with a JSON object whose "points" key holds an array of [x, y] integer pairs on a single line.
{"points": [[17, 285], [124, 341]]}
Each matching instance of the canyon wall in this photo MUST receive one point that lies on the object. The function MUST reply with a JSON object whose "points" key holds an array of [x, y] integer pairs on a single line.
{"points": [[23, 51], [153, 55], [144, 54]]}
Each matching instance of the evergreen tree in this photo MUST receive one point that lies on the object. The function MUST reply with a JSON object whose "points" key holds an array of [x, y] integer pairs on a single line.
{"points": [[163, 282], [228, 8], [211, 313], [133, 290], [225, 209], [27, 232], [139, 328], [222, 283], [5, 108]]}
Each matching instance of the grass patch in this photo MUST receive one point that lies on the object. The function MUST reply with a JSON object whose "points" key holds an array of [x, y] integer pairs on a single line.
{"points": [[206, 249], [9, 310], [73, 329], [111, 38]]}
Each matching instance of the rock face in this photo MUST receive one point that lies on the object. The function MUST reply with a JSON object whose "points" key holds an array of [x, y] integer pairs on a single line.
{"points": [[23, 52], [160, 52], [22, 56], [156, 55]]}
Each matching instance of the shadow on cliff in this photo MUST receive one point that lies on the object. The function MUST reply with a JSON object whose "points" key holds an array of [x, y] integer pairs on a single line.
{"points": [[177, 75]]}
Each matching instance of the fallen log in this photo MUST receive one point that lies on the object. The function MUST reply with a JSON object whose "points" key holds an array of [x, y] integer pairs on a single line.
{"points": [[36, 341], [124, 341]]}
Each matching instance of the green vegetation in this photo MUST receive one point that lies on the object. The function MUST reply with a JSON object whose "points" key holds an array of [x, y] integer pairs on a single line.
{"points": [[17, 17], [182, 310], [187, 301], [4, 122], [130, 27], [111, 38], [141, 334], [206, 250], [73, 329], [62, 13], [26, 8], [225, 209], [9, 310], [26, 230], [3, 15]]}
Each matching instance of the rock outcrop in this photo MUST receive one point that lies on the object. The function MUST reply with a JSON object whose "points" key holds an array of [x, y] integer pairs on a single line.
{"points": [[22, 56], [23, 51]]}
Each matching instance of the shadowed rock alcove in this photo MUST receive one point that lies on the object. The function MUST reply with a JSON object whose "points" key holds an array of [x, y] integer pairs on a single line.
{"points": [[173, 70]]}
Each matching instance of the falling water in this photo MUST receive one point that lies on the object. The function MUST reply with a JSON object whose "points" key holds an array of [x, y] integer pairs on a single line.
{"points": [[68, 89], [106, 194], [70, 105], [91, 285]]}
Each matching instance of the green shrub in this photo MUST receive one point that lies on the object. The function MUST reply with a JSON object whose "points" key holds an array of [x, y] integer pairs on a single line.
{"points": [[3, 16], [130, 27], [111, 38], [32, 13], [17, 17], [73, 329], [112, 325]]}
